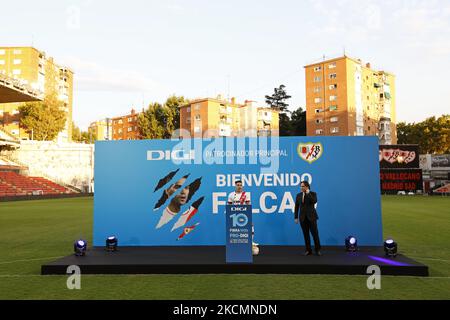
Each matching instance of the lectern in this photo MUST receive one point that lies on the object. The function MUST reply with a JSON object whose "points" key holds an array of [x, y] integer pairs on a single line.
{"points": [[238, 231]]}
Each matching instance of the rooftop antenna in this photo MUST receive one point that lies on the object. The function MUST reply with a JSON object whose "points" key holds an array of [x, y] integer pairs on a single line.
{"points": [[344, 51]]}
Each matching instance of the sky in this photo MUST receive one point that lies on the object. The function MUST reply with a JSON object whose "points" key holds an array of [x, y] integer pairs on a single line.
{"points": [[126, 54]]}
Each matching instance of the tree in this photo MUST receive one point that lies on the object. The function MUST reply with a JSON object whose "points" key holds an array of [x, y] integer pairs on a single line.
{"points": [[44, 119], [285, 124], [76, 133], [173, 103], [152, 122], [278, 99], [81, 136], [159, 121], [298, 122], [432, 135]]}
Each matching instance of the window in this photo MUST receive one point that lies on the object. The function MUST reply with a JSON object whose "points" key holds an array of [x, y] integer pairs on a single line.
{"points": [[197, 106], [2, 51], [317, 69], [318, 110], [196, 129], [317, 89], [317, 79], [317, 100], [120, 121], [130, 129], [17, 71], [319, 121], [188, 120], [15, 131], [17, 51], [332, 86], [130, 119], [319, 131], [197, 117], [188, 109], [333, 98], [332, 65], [2, 62], [333, 107], [17, 61], [334, 130], [334, 119], [332, 76], [120, 130]]}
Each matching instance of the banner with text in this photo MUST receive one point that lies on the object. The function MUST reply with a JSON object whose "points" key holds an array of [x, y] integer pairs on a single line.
{"points": [[174, 192]]}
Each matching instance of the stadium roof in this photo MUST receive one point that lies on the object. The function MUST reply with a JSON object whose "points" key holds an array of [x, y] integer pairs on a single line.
{"points": [[14, 90]]}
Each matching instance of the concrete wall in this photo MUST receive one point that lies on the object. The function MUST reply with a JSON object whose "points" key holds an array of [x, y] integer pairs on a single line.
{"points": [[68, 163]]}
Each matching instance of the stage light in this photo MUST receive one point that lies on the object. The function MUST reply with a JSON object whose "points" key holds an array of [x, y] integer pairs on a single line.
{"points": [[390, 248], [79, 247], [111, 243], [351, 244]]}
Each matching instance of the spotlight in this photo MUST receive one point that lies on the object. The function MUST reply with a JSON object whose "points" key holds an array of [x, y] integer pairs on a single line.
{"points": [[390, 248], [111, 243], [79, 247], [351, 244]]}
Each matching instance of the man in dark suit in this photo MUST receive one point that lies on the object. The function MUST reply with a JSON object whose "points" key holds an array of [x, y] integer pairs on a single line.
{"points": [[305, 206]]}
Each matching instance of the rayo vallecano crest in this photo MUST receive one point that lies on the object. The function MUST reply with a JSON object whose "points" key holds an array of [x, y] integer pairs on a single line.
{"points": [[310, 151]]}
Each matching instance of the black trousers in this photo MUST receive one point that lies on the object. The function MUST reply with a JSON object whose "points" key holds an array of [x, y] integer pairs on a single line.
{"points": [[307, 227]]}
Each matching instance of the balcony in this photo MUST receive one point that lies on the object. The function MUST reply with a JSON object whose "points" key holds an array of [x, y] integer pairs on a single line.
{"points": [[225, 110]]}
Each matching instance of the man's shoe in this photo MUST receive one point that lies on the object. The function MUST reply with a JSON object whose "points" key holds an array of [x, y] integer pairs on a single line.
{"points": [[318, 253], [307, 253]]}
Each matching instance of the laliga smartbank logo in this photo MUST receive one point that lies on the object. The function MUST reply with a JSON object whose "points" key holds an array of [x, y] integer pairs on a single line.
{"points": [[310, 151]]}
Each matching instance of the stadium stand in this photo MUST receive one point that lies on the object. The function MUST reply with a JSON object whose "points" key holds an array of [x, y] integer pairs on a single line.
{"points": [[14, 184]]}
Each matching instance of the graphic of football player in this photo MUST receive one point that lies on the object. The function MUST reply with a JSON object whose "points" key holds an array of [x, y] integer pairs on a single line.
{"points": [[174, 207], [187, 230], [166, 179], [170, 191], [188, 214]]}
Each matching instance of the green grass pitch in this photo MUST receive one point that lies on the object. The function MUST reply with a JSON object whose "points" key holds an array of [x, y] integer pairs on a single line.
{"points": [[39, 231]]}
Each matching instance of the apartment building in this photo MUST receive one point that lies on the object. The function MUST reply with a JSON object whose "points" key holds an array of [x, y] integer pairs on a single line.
{"points": [[35, 69], [217, 117], [348, 98]]}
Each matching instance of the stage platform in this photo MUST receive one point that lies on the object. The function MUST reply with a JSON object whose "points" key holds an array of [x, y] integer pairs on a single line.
{"points": [[211, 260]]}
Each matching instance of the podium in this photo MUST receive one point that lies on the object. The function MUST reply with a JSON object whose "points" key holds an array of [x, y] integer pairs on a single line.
{"points": [[238, 233]]}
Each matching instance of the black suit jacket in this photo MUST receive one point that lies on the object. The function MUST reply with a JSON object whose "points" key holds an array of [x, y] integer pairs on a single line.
{"points": [[306, 209]]}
